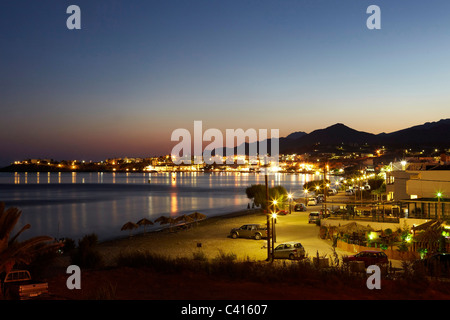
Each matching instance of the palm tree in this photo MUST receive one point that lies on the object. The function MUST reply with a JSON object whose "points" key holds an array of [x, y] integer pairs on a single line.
{"points": [[13, 251]]}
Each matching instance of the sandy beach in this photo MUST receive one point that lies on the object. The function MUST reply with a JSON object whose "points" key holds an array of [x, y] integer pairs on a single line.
{"points": [[211, 236]]}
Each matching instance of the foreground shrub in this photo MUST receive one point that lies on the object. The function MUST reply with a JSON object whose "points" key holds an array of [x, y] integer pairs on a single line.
{"points": [[86, 255], [226, 265]]}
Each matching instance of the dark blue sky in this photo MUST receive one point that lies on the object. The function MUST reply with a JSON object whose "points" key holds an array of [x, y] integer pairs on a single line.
{"points": [[137, 70]]}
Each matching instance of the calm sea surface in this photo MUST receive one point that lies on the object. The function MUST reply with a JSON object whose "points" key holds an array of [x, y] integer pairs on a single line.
{"points": [[75, 204]]}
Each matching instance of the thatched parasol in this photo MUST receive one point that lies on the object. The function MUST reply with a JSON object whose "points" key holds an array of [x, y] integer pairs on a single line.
{"points": [[166, 220], [144, 222], [197, 216], [354, 227], [129, 226], [184, 218]]}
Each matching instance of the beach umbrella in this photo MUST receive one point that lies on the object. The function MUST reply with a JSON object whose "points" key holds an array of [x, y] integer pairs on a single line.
{"points": [[184, 218], [165, 220], [129, 226], [162, 220], [144, 222], [197, 216]]}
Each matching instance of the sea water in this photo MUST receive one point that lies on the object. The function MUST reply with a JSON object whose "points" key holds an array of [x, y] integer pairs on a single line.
{"points": [[73, 204]]}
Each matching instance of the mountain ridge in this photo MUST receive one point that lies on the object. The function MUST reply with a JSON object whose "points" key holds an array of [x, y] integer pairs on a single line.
{"points": [[428, 133], [433, 134]]}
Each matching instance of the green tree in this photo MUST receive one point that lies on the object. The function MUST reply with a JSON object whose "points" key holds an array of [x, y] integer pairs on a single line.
{"points": [[317, 186], [257, 193]]}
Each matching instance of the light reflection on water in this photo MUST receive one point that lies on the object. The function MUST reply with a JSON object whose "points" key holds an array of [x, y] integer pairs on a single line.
{"points": [[75, 204]]}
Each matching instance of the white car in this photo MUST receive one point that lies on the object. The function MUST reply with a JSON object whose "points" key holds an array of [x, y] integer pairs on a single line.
{"points": [[312, 201]]}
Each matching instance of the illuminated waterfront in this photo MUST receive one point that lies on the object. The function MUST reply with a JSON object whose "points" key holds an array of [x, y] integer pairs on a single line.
{"points": [[74, 204]]}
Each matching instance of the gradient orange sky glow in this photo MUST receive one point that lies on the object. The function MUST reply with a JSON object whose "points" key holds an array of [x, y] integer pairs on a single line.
{"points": [[137, 70]]}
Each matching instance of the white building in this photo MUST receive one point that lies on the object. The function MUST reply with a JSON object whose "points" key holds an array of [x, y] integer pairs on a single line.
{"points": [[425, 193]]}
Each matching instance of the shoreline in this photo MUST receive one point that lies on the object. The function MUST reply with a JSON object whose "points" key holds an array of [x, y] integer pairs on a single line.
{"points": [[166, 228], [210, 236]]}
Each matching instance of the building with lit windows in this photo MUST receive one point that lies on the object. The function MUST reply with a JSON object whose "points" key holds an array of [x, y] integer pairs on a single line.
{"points": [[424, 194]]}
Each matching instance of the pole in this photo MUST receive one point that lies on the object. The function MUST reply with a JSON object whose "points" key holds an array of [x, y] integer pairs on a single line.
{"points": [[439, 208], [268, 219], [325, 189], [273, 235]]}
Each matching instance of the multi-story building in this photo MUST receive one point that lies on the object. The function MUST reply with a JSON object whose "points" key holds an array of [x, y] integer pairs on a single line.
{"points": [[425, 193]]}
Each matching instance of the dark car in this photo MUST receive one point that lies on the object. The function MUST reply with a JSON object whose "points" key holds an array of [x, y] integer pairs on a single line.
{"points": [[299, 207], [436, 265], [370, 257], [324, 213], [339, 211], [320, 198], [313, 217]]}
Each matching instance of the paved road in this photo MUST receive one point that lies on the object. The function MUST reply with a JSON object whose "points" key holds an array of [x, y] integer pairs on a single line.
{"points": [[295, 227]]}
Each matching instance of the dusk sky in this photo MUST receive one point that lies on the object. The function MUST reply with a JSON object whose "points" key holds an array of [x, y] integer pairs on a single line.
{"points": [[137, 70]]}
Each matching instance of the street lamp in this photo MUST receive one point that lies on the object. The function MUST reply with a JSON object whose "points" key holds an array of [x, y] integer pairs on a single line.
{"points": [[439, 195], [403, 163], [290, 199], [274, 237], [275, 202]]}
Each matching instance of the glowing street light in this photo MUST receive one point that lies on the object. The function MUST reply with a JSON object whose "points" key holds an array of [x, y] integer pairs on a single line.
{"points": [[439, 196], [290, 199], [403, 163], [274, 237]]}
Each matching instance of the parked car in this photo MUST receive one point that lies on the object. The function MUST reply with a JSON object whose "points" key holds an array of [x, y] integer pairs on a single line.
{"points": [[320, 198], [289, 250], [299, 207], [313, 217], [436, 265], [332, 192], [370, 257], [17, 284], [349, 192], [324, 213], [255, 231], [339, 211], [312, 201], [282, 212]]}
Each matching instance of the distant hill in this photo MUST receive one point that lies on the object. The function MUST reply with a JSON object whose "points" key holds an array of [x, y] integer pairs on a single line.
{"points": [[296, 135], [431, 134], [334, 135], [427, 134]]}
